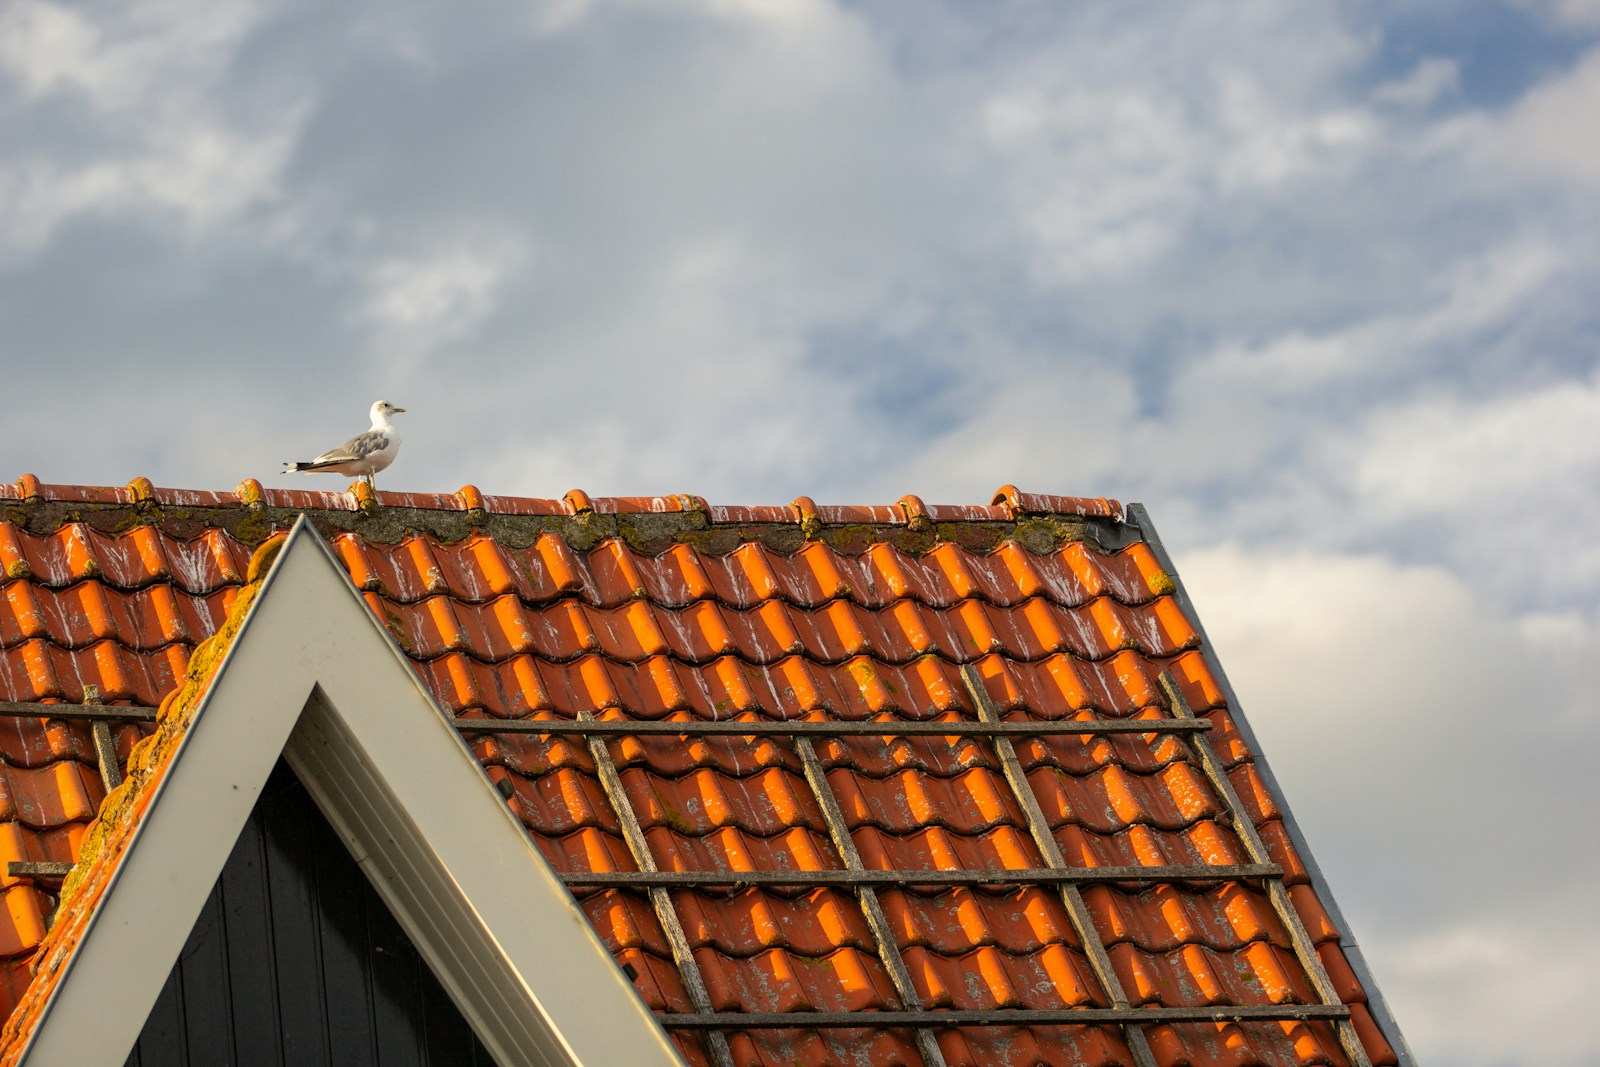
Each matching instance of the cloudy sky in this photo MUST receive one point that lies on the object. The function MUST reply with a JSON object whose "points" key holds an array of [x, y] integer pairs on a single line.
{"points": [[1315, 282]]}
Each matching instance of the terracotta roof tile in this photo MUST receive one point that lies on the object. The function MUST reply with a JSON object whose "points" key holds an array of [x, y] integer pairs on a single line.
{"points": [[956, 921], [833, 1048], [1093, 1046], [745, 923], [987, 979], [670, 608], [732, 849], [586, 851]]}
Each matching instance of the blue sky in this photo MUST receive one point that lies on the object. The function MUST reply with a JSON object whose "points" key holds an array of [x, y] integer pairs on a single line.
{"points": [[1313, 282]]}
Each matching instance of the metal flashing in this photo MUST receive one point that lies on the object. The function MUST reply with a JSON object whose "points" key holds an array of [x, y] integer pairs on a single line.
{"points": [[1138, 515]]}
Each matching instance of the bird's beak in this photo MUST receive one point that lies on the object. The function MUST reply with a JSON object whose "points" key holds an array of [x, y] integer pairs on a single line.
{"points": [[398, 410]]}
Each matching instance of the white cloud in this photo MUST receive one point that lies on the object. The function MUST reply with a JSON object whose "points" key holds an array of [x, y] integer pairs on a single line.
{"points": [[553, 16], [1102, 179], [1115, 142], [1529, 453], [44, 46], [1550, 131], [125, 62], [1435, 751], [1467, 298], [1583, 14], [1483, 985], [202, 175], [1430, 79], [421, 303], [1470, 469], [1058, 429], [1266, 143], [157, 138]]}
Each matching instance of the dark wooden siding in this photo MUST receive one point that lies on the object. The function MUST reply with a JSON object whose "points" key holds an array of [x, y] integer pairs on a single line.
{"points": [[295, 961]]}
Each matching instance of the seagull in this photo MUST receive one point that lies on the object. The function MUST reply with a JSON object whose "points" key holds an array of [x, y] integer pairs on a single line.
{"points": [[365, 454]]}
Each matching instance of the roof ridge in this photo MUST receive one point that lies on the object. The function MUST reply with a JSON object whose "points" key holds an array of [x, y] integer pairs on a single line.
{"points": [[1006, 505]]}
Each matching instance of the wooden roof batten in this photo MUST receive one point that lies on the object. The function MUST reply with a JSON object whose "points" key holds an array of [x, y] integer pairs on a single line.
{"points": [[313, 676]]}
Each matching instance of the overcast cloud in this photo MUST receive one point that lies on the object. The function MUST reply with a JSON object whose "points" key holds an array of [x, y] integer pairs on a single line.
{"points": [[1314, 282]]}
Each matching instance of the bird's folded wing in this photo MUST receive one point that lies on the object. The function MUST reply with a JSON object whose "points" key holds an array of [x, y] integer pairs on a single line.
{"points": [[356, 448]]}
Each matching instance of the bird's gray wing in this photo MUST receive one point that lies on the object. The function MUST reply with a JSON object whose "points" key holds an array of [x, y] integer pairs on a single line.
{"points": [[358, 447]]}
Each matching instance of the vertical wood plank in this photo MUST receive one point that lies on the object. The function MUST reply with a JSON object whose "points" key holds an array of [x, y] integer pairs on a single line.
{"points": [[162, 1040], [204, 985], [397, 991], [295, 935], [347, 981], [247, 925], [447, 1040]]}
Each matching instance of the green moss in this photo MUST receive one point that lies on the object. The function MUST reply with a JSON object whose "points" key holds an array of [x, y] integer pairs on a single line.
{"points": [[670, 814], [814, 962], [18, 568], [253, 527], [397, 630], [853, 539], [145, 514], [1161, 584], [261, 561], [1041, 535], [588, 529], [866, 676]]}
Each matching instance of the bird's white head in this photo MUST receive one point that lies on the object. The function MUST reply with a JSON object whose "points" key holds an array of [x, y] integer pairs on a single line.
{"points": [[382, 409]]}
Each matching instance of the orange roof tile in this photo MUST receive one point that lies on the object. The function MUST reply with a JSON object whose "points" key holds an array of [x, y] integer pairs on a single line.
{"points": [[669, 608]]}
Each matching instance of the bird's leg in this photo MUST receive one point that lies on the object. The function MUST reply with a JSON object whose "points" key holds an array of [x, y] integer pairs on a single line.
{"points": [[372, 483]]}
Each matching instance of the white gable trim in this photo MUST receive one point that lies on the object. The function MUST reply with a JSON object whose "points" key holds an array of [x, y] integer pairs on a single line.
{"points": [[314, 676]]}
